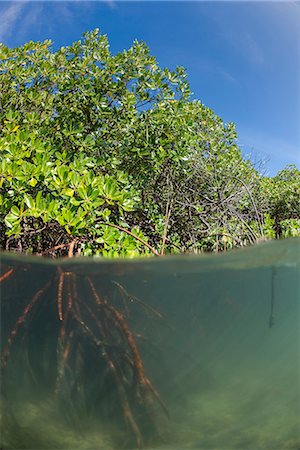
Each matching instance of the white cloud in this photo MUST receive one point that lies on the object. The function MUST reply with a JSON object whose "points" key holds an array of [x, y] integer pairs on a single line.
{"points": [[253, 51], [18, 18], [245, 44], [9, 16], [235, 34], [227, 75], [111, 3]]}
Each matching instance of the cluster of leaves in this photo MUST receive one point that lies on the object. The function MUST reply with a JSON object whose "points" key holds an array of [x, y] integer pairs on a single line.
{"points": [[110, 152], [282, 210]]}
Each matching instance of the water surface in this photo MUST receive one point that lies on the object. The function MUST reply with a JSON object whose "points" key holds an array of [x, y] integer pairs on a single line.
{"points": [[218, 336]]}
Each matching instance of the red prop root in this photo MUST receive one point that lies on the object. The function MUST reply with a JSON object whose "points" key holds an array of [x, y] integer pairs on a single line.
{"points": [[105, 328]]}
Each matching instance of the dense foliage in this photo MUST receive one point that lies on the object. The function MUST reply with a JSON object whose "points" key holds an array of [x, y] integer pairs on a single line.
{"points": [[110, 154]]}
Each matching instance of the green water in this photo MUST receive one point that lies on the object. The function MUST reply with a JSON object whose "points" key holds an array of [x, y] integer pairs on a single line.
{"points": [[219, 336]]}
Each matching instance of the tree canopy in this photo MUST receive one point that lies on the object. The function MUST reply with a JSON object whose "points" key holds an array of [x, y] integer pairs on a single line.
{"points": [[109, 152]]}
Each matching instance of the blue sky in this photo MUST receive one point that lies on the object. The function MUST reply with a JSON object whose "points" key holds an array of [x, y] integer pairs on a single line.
{"points": [[242, 58]]}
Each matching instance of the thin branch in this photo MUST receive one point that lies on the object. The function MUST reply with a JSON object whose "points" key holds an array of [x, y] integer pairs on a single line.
{"points": [[57, 247], [168, 214], [253, 202], [30, 231], [131, 234], [71, 248], [52, 249], [244, 222]]}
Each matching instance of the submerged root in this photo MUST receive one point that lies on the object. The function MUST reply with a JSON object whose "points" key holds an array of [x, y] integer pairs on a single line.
{"points": [[6, 275], [95, 331], [20, 321]]}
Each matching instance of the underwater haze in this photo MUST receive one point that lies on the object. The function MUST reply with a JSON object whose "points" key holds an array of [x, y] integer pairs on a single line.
{"points": [[181, 352]]}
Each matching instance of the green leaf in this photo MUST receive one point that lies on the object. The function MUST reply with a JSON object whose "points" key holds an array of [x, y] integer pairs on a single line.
{"points": [[38, 199], [69, 192], [32, 182], [106, 213], [15, 211], [10, 220], [29, 201]]}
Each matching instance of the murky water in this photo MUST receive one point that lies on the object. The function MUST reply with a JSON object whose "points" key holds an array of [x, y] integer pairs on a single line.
{"points": [[203, 352]]}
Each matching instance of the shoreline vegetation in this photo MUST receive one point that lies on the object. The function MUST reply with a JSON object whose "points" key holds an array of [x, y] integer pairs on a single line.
{"points": [[107, 155]]}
